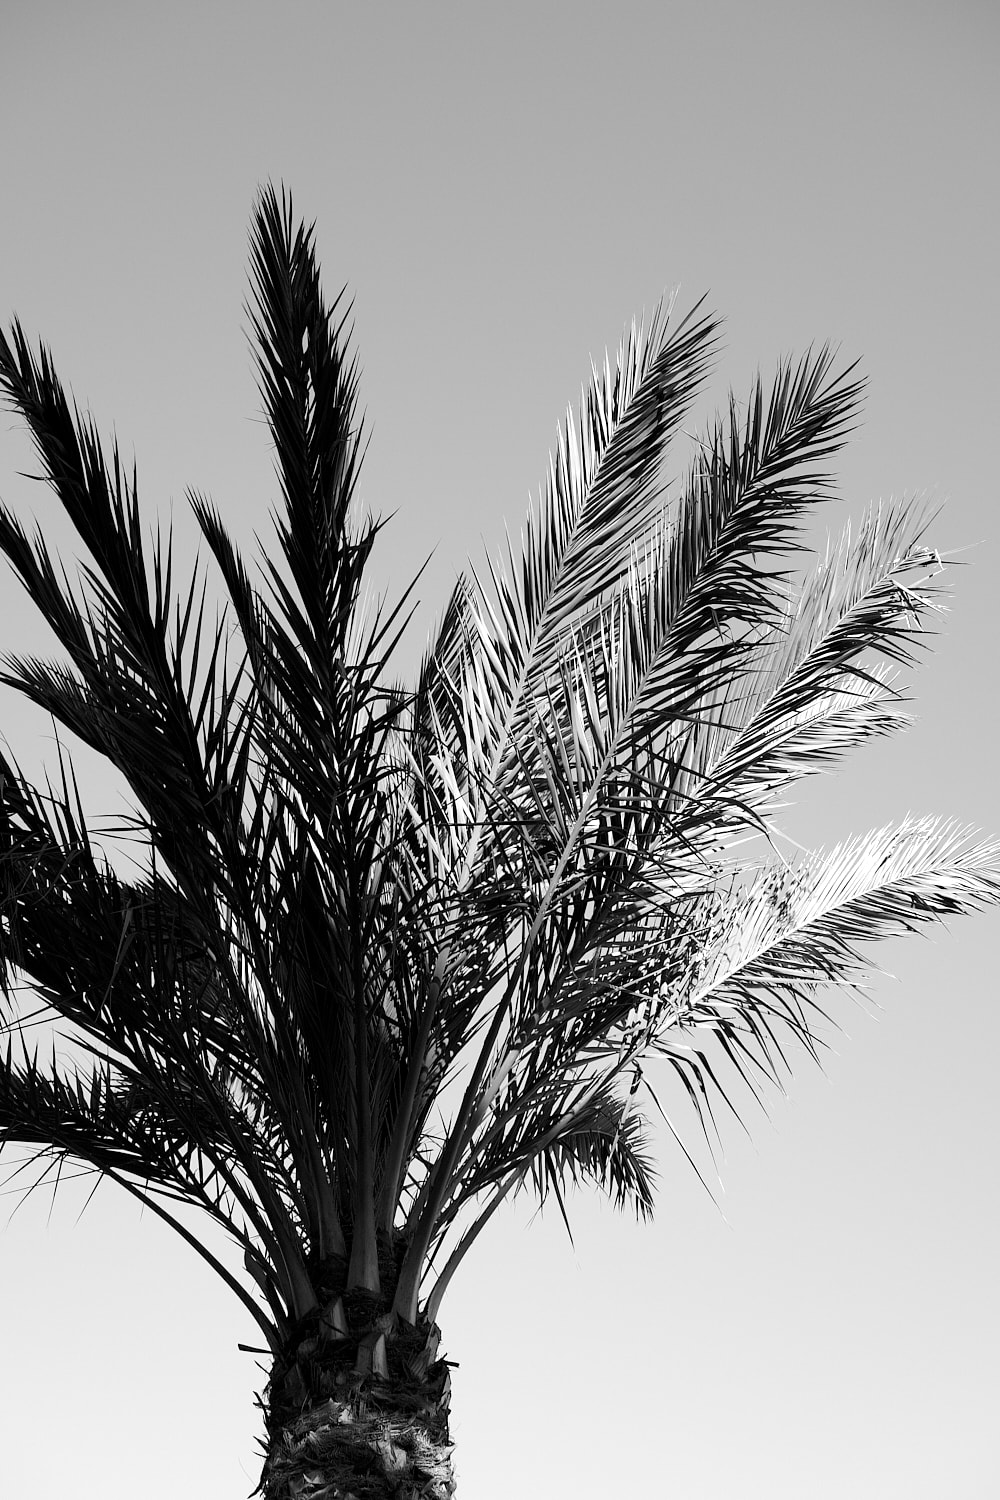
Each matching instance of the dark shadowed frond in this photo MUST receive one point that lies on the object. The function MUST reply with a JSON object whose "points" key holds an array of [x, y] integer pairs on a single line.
{"points": [[148, 692]]}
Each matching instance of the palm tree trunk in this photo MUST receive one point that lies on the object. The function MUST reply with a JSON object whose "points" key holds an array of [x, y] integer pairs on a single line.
{"points": [[356, 1407]]}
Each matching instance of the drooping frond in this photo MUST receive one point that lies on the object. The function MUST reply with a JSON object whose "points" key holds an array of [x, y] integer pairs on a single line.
{"points": [[807, 920], [785, 934]]}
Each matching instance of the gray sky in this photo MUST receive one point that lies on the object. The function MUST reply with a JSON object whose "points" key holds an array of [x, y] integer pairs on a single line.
{"points": [[502, 188]]}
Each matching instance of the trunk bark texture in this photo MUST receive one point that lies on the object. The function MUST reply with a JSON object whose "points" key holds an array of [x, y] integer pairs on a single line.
{"points": [[356, 1407]]}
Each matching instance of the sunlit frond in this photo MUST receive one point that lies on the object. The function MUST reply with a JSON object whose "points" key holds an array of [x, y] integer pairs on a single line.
{"points": [[819, 681], [601, 495], [782, 936]]}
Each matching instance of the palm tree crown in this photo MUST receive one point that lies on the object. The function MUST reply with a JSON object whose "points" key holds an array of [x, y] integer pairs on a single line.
{"points": [[397, 952]]}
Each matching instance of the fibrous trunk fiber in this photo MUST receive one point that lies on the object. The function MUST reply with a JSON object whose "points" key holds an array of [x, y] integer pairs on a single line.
{"points": [[356, 1408]]}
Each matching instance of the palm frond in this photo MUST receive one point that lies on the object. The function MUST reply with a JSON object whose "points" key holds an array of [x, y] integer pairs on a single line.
{"points": [[805, 920], [640, 679], [601, 495], [136, 698], [819, 681], [604, 1143], [781, 936], [126, 966]]}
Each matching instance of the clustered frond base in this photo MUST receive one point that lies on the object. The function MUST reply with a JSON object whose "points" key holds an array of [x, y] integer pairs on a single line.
{"points": [[375, 1436], [356, 1407]]}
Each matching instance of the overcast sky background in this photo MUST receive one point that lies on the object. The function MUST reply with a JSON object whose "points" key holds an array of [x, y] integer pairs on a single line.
{"points": [[503, 188]]}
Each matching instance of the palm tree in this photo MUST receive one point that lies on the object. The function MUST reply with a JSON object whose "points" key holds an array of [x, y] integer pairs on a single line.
{"points": [[396, 954]]}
